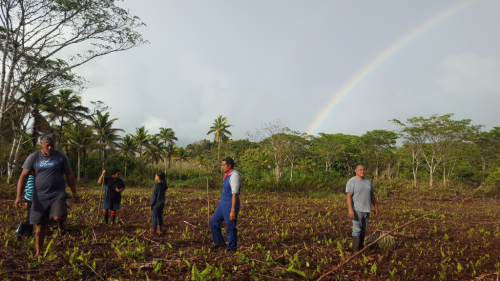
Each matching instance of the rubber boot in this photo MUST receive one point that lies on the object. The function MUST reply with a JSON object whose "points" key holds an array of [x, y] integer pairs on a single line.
{"points": [[106, 219], [355, 244], [113, 219], [158, 230], [153, 231], [20, 231], [361, 242]]}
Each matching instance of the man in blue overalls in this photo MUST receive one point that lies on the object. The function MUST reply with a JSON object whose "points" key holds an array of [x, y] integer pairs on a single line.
{"points": [[228, 208]]}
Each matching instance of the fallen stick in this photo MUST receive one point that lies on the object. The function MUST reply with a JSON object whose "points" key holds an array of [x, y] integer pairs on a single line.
{"points": [[267, 231], [365, 248], [95, 272], [196, 227], [95, 238]]}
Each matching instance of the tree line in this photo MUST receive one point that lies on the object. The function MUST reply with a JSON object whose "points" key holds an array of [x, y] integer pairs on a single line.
{"points": [[420, 149]]}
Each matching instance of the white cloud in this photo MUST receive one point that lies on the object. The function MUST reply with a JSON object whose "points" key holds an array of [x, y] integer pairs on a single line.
{"points": [[469, 73]]}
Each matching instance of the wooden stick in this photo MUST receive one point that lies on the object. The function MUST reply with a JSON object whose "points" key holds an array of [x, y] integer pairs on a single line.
{"points": [[100, 197], [208, 207], [95, 272], [196, 227], [365, 248], [267, 231]]}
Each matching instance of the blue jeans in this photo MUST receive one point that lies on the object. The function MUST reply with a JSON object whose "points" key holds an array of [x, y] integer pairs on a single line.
{"points": [[158, 216], [360, 223]]}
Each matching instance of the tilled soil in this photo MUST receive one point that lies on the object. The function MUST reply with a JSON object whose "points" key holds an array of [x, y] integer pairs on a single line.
{"points": [[288, 236]]}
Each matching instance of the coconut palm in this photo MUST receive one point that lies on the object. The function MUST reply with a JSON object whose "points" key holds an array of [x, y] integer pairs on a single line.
{"points": [[81, 136], [221, 134], [170, 151], [106, 133], [67, 105], [127, 147], [181, 156], [154, 151], [141, 139], [201, 161], [167, 135], [38, 101]]}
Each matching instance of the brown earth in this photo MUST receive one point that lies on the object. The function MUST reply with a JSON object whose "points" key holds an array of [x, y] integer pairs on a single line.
{"points": [[288, 236]]}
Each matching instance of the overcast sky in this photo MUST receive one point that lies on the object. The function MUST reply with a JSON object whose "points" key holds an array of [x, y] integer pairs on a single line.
{"points": [[260, 61]]}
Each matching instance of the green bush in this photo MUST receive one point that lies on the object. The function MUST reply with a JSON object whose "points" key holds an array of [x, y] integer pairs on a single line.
{"points": [[493, 179]]}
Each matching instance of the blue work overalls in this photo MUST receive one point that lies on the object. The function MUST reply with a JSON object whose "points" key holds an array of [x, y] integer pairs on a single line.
{"points": [[222, 214]]}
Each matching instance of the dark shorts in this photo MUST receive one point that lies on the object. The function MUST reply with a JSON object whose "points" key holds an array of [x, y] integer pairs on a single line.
{"points": [[106, 205], [43, 209]]}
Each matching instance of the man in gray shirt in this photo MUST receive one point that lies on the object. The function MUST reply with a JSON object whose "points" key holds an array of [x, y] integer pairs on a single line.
{"points": [[49, 192], [360, 197]]}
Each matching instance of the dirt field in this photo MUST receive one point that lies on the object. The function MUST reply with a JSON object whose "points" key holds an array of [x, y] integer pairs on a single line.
{"points": [[281, 236]]}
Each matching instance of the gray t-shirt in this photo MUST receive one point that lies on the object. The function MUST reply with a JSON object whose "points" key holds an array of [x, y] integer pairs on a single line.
{"points": [[49, 173], [361, 191]]}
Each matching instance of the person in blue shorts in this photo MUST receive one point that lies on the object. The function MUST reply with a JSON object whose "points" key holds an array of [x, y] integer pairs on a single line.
{"points": [[25, 229], [228, 208], [49, 191], [113, 197]]}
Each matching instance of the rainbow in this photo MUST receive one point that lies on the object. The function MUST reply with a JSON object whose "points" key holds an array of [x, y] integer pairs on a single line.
{"points": [[381, 57]]}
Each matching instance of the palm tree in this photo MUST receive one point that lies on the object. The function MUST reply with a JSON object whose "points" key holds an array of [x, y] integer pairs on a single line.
{"points": [[155, 151], [66, 104], [105, 133], [167, 135], [170, 150], [81, 137], [38, 101], [221, 134], [127, 147], [141, 139], [201, 161], [182, 156]]}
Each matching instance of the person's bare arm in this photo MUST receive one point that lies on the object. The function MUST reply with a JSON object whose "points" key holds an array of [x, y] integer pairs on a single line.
{"points": [[21, 184], [349, 204], [232, 215], [120, 189], [101, 178], [70, 177], [374, 202]]}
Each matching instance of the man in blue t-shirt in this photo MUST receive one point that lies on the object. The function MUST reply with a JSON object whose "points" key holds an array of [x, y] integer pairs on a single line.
{"points": [[49, 192], [360, 197]]}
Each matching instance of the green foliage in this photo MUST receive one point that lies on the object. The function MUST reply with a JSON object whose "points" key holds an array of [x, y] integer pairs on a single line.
{"points": [[493, 179]]}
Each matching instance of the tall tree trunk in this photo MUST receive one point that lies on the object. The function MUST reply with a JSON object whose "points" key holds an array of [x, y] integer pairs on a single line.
{"points": [[126, 157], [85, 163], [218, 157], [431, 174], [60, 133], [79, 150], [444, 174], [180, 170], [291, 172], [12, 158]]}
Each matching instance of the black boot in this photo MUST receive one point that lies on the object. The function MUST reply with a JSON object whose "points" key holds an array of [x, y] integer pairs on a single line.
{"points": [[20, 230], [113, 218], [355, 244], [106, 218], [362, 242]]}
